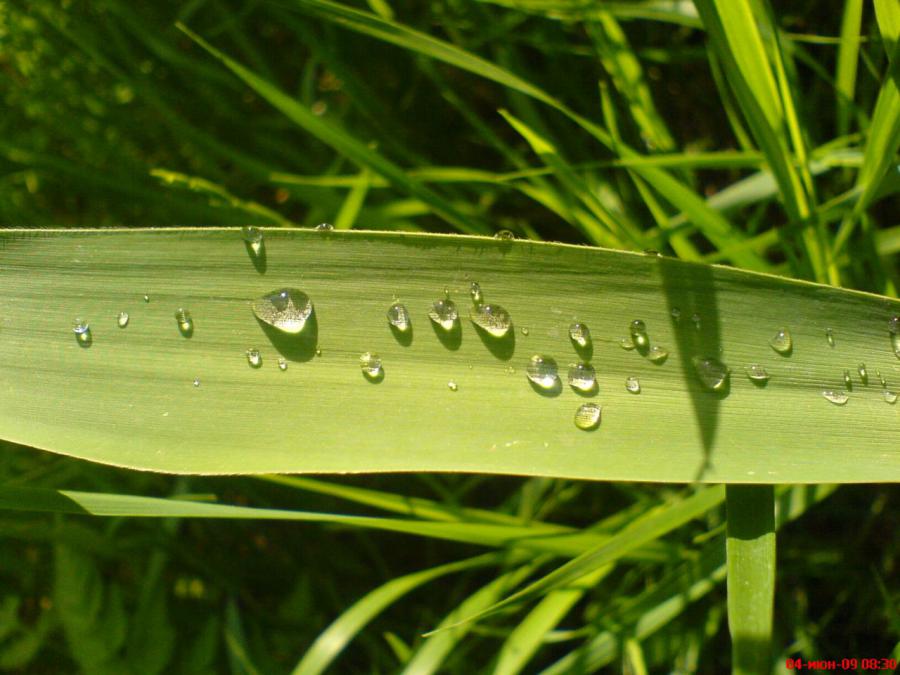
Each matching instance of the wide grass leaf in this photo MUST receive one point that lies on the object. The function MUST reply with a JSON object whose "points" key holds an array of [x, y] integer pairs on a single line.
{"points": [[129, 399]]}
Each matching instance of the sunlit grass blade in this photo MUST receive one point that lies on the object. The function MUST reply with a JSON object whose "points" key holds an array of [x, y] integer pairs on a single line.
{"points": [[848, 57]]}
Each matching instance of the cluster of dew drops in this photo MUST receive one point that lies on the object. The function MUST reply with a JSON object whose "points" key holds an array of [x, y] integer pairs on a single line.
{"points": [[289, 310]]}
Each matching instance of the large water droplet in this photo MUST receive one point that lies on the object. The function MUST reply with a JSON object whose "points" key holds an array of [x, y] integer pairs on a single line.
{"points": [[185, 321], [122, 319], [632, 384], [443, 313], [863, 373], [829, 336], [493, 319], [889, 396], [324, 227], [287, 310], [398, 317], [504, 234], [757, 373], [254, 358], [282, 364], [782, 342], [582, 377], [542, 371], [452, 386], [836, 396], [475, 292], [587, 417], [713, 373], [371, 366], [254, 237], [638, 330], [82, 330], [580, 334], [658, 354]]}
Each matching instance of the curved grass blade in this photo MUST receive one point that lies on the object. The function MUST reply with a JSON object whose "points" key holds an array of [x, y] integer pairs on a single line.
{"points": [[128, 399]]}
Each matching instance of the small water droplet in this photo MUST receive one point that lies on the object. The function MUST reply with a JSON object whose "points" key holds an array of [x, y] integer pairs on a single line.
{"points": [[676, 314], [782, 342], [847, 381], [658, 354], [881, 379], [196, 381], [493, 319], [318, 352], [254, 358], [282, 363], [835, 396], [504, 234], [185, 321], [443, 313], [633, 384], [371, 365], [582, 377], [757, 373], [580, 334], [542, 371], [82, 330], [254, 237], [286, 309], [398, 317], [639, 336], [146, 298], [652, 252], [587, 417], [626, 343], [475, 292], [713, 373], [525, 331], [452, 386], [122, 319], [895, 337], [324, 227], [695, 318], [894, 325], [863, 373], [829, 336], [889, 396]]}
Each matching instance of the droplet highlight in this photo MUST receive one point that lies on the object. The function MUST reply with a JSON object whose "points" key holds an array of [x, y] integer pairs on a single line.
{"points": [[580, 334], [587, 417], [475, 292], [196, 381], [444, 313], [82, 330], [658, 354], [713, 374], [185, 321], [371, 367], [146, 298], [287, 309], [122, 319], [835, 396], [452, 386], [542, 371], [582, 377], [782, 342], [757, 373], [324, 227], [632, 384], [398, 317], [638, 331], [254, 238], [492, 319], [282, 364], [254, 358]]}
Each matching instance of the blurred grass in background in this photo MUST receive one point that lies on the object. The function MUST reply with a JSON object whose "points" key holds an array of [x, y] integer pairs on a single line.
{"points": [[778, 142]]}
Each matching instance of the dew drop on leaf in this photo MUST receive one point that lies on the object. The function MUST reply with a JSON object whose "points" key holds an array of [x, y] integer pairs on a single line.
{"points": [[863, 373], [452, 386], [580, 334], [836, 396], [82, 330], [443, 313], [713, 374], [676, 314], [582, 377], [371, 365], [254, 358], [475, 292], [122, 319], [889, 396], [504, 234], [254, 237], [757, 373], [542, 371], [658, 354], [638, 330], [829, 336], [324, 227], [282, 364], [587, 417], [398, 317], [782, 342], [493, 319], [632, 384], [287, 309], [185, 321], [626, 343]]}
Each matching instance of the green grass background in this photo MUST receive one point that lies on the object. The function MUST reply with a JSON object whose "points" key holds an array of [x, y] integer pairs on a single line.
{"points": [[647, 125]]}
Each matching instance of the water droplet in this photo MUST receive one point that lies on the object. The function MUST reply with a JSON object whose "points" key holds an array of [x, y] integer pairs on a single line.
{"points": [[652, 252], [318, 352], [185, 321], [580, 334], [895, 344], [658, 354], [863, 373], [881, 379], [633, 384], [894, 325], [371, 365], [122, 319], [542, 371], [757, 373], [676, 314], [829, 336], [713, 373], [146, 298], [510, 370], [582, 377], [493, 319], [282, 363], [626, 343], [782, 342], [287, 310], [525, 331], [82, 330], [196, 381], [889, 396], [254, 237], [254, 358], [444, 314], [398, 317], [695, 318], [587, 417], [475, 292], [639, 334], [504, 234], [452, 386], [835, 396], [324, 227], [847, 381]]}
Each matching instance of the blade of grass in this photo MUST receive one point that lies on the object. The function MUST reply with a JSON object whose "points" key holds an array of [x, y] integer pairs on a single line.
{"points": [[847, 60]]}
